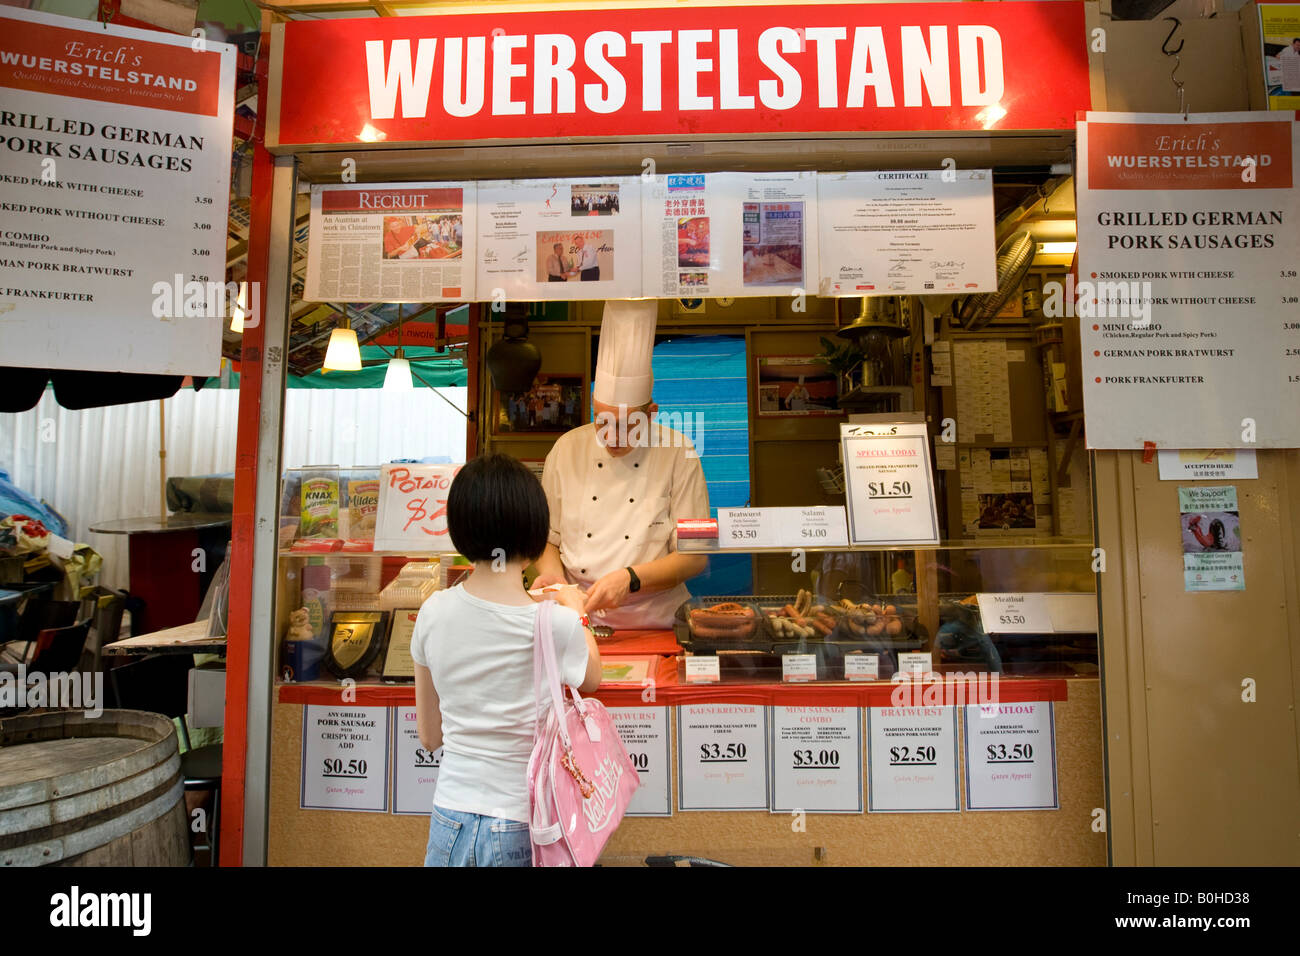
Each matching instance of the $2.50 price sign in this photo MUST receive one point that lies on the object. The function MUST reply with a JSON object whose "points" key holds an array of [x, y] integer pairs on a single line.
{"points": [[345, 758], [721, 757], [413, 508], [416, 769], [913, 759], [816, 758]]}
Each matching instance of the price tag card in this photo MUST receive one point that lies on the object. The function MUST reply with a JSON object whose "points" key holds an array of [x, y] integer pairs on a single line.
{"points": [[345, 758], [702, 669], [1015, 613], [415, 775], [721, 757], [1011, 757], [917, 663], [862, 667], [889, 483], [744, 528], [644, 732], [412, 513], [818, 527], [816, 755], [913, 752], [798, 667]]}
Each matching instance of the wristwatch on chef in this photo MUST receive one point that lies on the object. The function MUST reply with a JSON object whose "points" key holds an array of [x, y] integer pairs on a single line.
{"points": [[634, 583]]}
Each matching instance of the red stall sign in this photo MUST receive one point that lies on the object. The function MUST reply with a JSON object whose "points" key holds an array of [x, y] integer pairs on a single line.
{"points": [[698, 71]]}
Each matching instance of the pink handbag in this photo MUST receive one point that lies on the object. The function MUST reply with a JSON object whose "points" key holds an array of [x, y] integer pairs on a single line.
{"points": [[580, 778]]}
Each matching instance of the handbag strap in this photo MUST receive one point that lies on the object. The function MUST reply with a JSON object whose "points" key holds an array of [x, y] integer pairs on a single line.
{"points": [[544, 640]]}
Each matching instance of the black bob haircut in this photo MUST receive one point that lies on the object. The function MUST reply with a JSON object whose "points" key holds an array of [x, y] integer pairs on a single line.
{"points": [[495, 503]]}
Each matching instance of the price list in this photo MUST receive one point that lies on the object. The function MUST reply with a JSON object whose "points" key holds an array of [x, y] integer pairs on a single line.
{"points": [[345, 758], [415, 776], [1011, 757], [816, 757], [722, 757], [913, 759], [1015, 613], [644, 732]]}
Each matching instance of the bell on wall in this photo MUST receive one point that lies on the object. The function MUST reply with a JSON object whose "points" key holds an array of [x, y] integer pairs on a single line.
{"points": [[879, 313], [514, 362]]}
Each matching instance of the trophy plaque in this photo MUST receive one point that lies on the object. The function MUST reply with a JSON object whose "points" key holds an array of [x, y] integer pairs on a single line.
{"points": [[354, 642]]}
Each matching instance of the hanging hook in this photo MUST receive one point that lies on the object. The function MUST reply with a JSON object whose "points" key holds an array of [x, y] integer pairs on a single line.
{"points": [[1164, 47]]}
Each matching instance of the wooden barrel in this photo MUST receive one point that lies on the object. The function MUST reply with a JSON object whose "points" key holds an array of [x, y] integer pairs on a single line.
{"points": [[91, 791]]}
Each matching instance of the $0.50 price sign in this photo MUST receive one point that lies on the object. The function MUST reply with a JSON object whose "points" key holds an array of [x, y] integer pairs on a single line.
{"points": [[345, 753]]}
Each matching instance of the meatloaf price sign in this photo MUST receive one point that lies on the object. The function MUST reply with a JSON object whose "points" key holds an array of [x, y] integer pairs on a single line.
{"points": [[114, 182], [889, 484], [1011, 757], [721, 757], [413, 508], [345, 758], [816, 755]]}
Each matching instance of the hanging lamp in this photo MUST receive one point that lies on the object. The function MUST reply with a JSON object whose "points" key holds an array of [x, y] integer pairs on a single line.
{"points": [[343, 353]]}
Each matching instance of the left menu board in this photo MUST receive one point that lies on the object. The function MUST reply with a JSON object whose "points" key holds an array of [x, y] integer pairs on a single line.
{"points": [[115, 159], [391, 242]]}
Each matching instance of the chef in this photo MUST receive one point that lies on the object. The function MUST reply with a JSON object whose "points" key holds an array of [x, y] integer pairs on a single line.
{"points": [[617, 487]]}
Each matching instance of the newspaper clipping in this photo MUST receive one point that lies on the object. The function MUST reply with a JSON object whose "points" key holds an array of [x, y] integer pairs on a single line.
{"points": [[560, 239], [398, 242]]}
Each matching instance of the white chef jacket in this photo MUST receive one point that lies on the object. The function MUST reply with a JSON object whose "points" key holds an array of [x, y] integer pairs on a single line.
{"points": [[609, 513]]}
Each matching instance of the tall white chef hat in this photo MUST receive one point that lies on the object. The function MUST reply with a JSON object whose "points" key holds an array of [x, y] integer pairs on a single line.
{"points": [[627, 338]]}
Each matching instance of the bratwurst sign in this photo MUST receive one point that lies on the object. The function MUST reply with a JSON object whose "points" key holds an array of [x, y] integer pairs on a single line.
{"points": [[682, 72]]}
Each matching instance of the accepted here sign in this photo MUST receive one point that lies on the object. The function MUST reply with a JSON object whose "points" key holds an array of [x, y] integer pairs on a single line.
{"points": [[680, 71]]}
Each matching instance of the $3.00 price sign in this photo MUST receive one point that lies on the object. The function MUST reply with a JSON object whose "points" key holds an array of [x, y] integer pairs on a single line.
{"points": [[415, 774], [913, 760], [1011, 756], [722, 757], [413, 508], [345, 758], [816, 759], [644, 732]]}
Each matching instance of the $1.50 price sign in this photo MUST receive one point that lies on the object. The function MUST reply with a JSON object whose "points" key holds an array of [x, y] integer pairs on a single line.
{"points": [[889, 483], [1015, 613], [345, 758], [721, 757], [415, 776], [816, 756], [913, 759], [413, 508], [1011, 756]]}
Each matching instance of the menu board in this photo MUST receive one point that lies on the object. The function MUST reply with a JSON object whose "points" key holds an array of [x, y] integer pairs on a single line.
{"points": [[906, 232], [729, 234], [345, 758], [415, 770], [391, 242], [889, 484], [560, 239], [816, 755], [413, 508], [116, 179], [721, 757], [1189, 299]]}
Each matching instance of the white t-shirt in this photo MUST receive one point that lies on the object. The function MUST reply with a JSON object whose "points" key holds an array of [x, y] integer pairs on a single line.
{"points": [[480, 656]]}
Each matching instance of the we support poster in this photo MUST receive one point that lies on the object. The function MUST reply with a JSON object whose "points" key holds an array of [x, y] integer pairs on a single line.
{"points": [[1189, 281], [1279, 28], [115, 173], [1210, 525]]}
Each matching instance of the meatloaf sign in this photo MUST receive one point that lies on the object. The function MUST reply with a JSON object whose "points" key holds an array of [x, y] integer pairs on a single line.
{"points": [[677, 71]]}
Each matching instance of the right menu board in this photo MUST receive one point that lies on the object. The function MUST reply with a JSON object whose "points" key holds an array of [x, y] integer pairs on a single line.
{"points": [[1187, 295]]}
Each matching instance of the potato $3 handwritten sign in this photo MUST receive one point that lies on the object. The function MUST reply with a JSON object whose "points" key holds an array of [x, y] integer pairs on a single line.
{"points": [[413, 508]]}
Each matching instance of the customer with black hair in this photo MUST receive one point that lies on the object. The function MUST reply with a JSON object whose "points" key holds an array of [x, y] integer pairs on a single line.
{"points": [[475, 693]]}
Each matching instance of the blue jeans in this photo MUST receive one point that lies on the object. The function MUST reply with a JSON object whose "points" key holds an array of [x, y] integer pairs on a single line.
{"points": [[471, 839]]}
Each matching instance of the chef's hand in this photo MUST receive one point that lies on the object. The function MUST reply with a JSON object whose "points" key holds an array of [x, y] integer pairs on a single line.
{"points": [[572, 598], [611, 590]]}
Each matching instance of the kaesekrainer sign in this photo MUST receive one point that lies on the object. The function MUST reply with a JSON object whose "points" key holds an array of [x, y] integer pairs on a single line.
{"points": [[680, 70]]}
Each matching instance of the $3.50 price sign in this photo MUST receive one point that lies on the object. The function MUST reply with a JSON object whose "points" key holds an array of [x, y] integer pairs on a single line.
{"points": [[1015, 613], [1011, 756], [415, 775], [722, 757], [816, 759], [913, 759], [345, 758], [412, 512]]}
